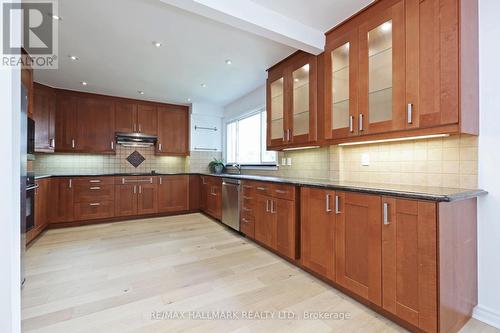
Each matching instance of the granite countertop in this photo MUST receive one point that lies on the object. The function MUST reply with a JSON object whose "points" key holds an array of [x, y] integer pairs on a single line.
{"points": [[404, 191]]}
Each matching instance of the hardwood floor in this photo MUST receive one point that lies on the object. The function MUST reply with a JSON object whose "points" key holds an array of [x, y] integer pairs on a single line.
{"points": [[114, 277]]}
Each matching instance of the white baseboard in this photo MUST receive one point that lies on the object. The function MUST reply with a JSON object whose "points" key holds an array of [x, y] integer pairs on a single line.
{"points": [[487, 316]]}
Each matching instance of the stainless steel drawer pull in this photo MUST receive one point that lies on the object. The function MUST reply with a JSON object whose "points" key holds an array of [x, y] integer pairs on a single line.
{"points": [[281, 191], [328, 209], [409, 111], [70, 184], [273, 207], [112, 145], [351, 124], [245, 220], [159, 146], [247, 198], [267, 206], [52, 143], [360, 122], [94, 181], [73, 144], [386, 214], [261, 188], [337, 205], [95, 204], [140, 189], [246, 209], [247, 186], [95, 188]]}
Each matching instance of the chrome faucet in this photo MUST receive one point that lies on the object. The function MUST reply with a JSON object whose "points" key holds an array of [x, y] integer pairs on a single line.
{"points": [[238, 167]]}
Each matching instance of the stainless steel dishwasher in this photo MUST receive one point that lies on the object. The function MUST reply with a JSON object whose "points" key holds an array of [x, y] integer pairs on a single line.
{"points": [[231, 203]]}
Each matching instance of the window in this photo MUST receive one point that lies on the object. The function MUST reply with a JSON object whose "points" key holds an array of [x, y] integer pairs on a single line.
{"points": [[246, 141]]}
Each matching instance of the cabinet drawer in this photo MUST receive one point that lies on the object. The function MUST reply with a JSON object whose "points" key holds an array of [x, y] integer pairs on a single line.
{"points": [[136, 180], [282, 191], [92, 193], [94, 210], [97, 181], [262, 188], [247, 205], [247, 225]]}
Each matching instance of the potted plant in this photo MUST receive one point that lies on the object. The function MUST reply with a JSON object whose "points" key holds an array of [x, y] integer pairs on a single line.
{"points": [[216, 166]]}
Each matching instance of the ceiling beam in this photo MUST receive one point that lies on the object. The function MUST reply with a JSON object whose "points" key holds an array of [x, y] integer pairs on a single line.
{"points": [[251, 17]]}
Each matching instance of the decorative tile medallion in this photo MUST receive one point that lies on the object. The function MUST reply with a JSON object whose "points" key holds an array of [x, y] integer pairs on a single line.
{"points": [[135, 159]]}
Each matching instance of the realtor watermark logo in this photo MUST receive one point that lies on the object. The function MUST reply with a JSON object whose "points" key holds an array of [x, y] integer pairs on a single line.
{"points": [[30, 25]]}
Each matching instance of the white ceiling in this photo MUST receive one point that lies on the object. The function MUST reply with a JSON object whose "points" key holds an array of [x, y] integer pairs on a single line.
{"points": [[114, 42], [319, 14]]}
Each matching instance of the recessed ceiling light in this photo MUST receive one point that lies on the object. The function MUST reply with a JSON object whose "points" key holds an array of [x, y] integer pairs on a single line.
{"points": [[74, 58], [56, 17], [203, 85], [140, 92], [189, 99], [157, 44], [229, 62], [84, 83]]}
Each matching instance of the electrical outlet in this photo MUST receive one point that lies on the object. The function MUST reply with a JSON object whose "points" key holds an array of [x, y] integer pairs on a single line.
{"points": [[288, 161], [365, 159]]}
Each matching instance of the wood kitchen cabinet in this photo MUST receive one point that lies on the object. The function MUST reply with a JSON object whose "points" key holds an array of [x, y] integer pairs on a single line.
{"points": [[84, 123], [27, 81], [173, 131], [94, 198], [248, 208], [318, 222], [147, 122], [44, 115], [398, 68], [133, 117], [173, 193], [292, 101], [214, 197], [136, 195], [275, 218], [358, 244], [409, 261], [61, 200], [125, 117]]}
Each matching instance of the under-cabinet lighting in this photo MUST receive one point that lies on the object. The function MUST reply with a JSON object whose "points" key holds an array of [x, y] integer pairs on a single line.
{"points": [[301, 148], [395, 140]]}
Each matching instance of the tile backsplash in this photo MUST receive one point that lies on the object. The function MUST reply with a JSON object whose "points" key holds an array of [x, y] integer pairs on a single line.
{"points": [[447, 162]]}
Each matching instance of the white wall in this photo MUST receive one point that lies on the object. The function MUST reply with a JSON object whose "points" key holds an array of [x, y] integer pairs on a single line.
{"points": [[252, 101], [10, 304], [488, 309], [206, 115]]}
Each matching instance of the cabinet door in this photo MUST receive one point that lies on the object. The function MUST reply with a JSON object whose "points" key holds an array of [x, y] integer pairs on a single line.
{"points": [[125, 117], [44, 112], [147, 202], [96, 125], [265, 223], [204, 192], [432, 62], [304, 99], [359, 245], [341, 86], [194, 192], [283, 214], [173, 194], [382, 69], [41, 204], [173, 131], [409, 261], [277, 119], [147, 121], [66, 123], [125, 200], [61, 200], [318, 231]]}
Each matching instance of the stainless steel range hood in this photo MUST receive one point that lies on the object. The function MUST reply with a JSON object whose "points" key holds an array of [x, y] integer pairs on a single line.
{"points": [[135, 140]]}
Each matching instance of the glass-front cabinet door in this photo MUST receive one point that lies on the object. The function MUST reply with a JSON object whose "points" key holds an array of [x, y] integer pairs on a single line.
{"points": [[382, 72], [276, 111], [303, 100], [341, 66]]}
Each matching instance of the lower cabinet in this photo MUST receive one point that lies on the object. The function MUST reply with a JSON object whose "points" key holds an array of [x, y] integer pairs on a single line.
{"points": [[358, 254], [409, 261], [61, 200], [41, 209], [318, 220], [136, 196], [94, 198], [211, 197], [173, 194], [275, 218]]}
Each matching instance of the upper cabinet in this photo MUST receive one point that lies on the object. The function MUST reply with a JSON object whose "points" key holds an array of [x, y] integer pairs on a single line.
{"points": [[292, 101], [44, 115], [136, 118], [173, 131], [398, 68]]}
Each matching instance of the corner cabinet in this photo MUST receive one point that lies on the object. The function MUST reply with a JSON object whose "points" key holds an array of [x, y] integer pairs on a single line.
{"points": [[292, 101]]}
